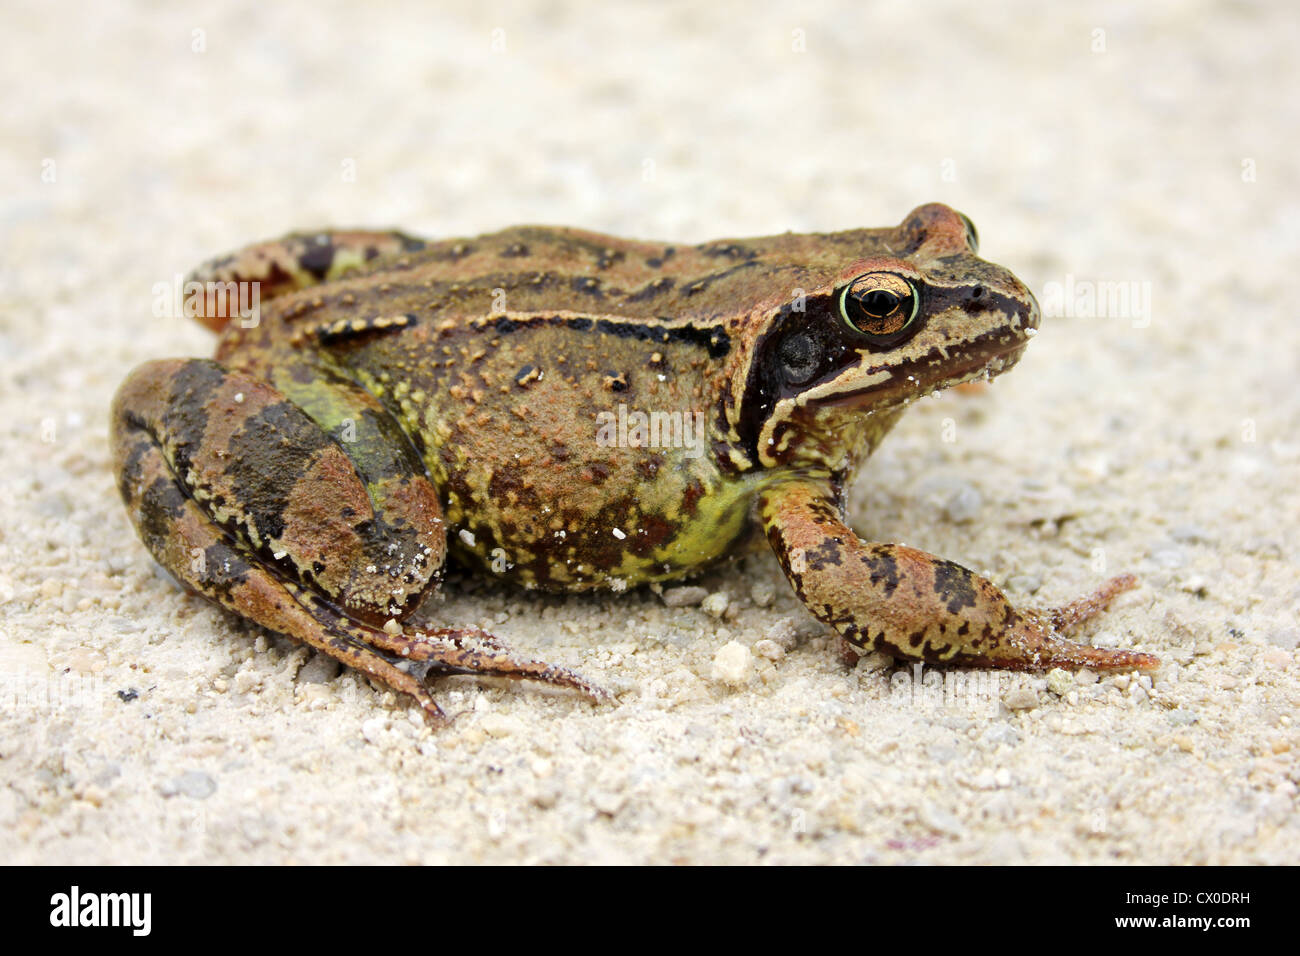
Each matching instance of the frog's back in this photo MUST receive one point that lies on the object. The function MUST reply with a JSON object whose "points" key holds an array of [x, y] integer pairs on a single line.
{"points": [[534, 268], [563, 387]]}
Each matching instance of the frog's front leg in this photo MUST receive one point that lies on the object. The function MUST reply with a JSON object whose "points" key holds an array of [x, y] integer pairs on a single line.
{"points": [[910, 604], [248, 500]]}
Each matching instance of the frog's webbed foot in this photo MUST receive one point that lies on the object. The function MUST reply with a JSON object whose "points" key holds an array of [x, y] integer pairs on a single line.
{"points": [[250, 502], [910, 604], [410, 658], [469, 651], [430, 652]]}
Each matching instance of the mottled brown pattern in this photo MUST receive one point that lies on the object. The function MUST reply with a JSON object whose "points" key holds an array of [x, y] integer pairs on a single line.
{"points": [[567, 410], [910, 604]]}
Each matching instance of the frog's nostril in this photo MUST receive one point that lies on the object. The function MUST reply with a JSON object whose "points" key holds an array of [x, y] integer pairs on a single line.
{"points": [[977, 292]]}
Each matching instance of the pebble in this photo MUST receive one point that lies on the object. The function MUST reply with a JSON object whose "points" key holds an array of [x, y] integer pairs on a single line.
{"points": [[246, 680], [688, 596], [1275, 659], [608, 802], [83, 660], [941, 821], [1024, 583], [1002, 733], [1060, 682], [769, 649], [784, 633], [715, 605], [942, 753], [1287, 638], [321, 669], [1020, 698], [733, 664], [375, 730], [499, 725], [762, 593], [192, 783], [875, 661], [963, 504]]}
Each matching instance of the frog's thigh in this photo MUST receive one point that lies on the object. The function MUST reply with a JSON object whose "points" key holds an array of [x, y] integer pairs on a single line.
{"points": [[297, 261], [911, 604], [184, 539], [285, 491]]}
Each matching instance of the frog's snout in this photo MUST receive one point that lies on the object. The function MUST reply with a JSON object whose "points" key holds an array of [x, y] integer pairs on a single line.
{"points": [[1031, 315]]}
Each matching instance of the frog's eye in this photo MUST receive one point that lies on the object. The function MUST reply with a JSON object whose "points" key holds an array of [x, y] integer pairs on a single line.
{"points": [[880, 305], [972, 236]]}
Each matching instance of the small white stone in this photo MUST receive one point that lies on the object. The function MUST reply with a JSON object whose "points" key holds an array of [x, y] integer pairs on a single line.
{"points": [[733, 664], [715, 605], [1060, 682], [374, 730], [684, 596], [608, 803], [769, 649], [467, 536], [1020, 698], [875, 661], [618, 533], [784, 633], [499, 725], [762, 593]]}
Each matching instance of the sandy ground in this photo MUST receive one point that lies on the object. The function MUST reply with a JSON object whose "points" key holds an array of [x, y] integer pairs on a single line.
{"points": [[1154, 148]]}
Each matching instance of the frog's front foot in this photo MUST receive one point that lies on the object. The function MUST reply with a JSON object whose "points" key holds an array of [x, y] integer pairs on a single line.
{"points": [[251, 502], [910, 604], [1037, 638]]}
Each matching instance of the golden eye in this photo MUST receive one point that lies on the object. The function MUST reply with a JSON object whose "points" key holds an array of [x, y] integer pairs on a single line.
{"points": [[880, 305]]}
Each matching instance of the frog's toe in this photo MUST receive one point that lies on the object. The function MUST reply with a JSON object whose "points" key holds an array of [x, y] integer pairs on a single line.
{"points": [[1042, 633], [1035, 642], [470, 651], [1068, 617]]}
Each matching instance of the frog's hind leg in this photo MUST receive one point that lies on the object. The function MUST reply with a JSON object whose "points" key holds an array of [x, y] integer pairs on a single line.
{"points": [[295, 261], [245, 500]]}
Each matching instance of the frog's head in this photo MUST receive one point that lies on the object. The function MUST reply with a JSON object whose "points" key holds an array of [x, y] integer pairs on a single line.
{"points": [[909, 311]]}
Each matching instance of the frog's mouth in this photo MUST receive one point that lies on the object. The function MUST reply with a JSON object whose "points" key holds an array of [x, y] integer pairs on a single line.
{"points": [[899, 384]]}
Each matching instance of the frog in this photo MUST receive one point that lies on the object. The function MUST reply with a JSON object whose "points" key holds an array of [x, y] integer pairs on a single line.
{"points": [[569, 411]]}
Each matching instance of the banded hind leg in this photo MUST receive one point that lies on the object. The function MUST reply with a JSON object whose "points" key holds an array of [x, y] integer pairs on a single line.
{"points": [[247, 499], [910, 604]]}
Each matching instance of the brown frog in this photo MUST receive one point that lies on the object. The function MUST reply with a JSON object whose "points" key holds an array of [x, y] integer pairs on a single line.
{"points": [[569, 411]]}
